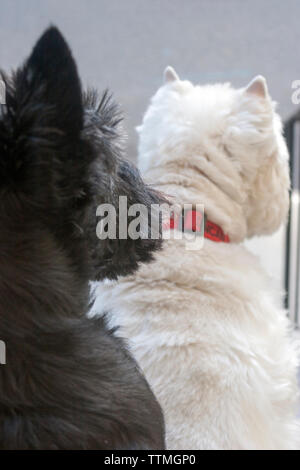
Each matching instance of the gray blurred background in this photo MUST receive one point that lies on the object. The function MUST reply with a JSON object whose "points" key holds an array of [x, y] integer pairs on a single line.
{"points": [[126, 44]]}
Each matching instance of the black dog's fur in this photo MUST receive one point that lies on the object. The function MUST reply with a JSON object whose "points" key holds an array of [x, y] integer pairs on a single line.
{"points": [[68, 382]]}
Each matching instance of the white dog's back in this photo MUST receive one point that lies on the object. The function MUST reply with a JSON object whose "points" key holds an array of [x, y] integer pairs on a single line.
{"points": [[214, 347]]}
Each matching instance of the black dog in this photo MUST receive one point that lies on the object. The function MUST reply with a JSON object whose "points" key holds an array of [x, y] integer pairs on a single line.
{"points": [[68, 382]]}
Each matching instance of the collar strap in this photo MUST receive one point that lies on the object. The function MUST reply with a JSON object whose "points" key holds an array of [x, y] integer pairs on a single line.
{"points": [[196, 221]]}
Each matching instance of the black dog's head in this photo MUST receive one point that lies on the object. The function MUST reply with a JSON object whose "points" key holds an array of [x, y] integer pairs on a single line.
{"points": [[61, 157]]}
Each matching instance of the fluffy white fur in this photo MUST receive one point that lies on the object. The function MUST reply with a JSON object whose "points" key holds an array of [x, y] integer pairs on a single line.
{"points": [[205, 325]]}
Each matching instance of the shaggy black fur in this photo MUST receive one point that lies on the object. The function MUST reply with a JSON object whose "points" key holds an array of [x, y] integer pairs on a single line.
{"points": [[68, 382]]}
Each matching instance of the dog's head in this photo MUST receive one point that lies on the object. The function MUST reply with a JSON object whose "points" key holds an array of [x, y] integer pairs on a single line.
{"points": [[234, 136], [61, 157]]}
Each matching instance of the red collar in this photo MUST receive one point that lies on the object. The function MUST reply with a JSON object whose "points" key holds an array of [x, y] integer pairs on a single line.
{"points": [[196, 221]]}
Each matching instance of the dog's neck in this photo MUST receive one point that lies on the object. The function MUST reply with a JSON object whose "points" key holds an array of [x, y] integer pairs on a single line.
{"points": [[198, 180], [38, 284], [41, 301]]}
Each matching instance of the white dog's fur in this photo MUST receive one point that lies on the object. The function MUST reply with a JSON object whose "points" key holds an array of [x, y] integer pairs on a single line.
{"points": [[205, 326]]}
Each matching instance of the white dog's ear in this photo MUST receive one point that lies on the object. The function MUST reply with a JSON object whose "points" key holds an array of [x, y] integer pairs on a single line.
{"points": [[258, 87], [170, 75]]}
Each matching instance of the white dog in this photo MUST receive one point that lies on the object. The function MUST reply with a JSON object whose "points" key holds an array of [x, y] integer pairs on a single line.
{"points": [[204, 325]]}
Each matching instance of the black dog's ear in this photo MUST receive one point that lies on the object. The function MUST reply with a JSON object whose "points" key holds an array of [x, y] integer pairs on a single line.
{"points": [[49, 80], [40, 132]]}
